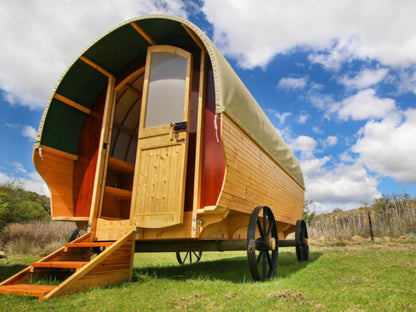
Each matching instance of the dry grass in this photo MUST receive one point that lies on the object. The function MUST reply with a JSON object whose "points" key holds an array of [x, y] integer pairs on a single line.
{"points": [[392, 216], [35, 237]]}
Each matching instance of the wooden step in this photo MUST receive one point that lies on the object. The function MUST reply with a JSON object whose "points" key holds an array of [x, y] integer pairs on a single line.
{"points": [[26, 290], [88, 244], [59, 264]]}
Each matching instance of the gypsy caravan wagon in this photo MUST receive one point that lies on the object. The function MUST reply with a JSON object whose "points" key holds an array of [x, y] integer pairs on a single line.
{"points": [[152, 142]]}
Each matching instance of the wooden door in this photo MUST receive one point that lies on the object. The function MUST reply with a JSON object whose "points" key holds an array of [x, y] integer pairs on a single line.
{"points": [[160, 170]]}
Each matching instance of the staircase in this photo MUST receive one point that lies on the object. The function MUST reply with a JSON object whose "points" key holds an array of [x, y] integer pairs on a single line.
{"points": [[77, 270]]}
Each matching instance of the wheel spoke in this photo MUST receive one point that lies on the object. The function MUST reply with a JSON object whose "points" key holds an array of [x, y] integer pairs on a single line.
{"points": [[185, 257], [259, 257], [270, 229], [260, 228], [264, 265]]}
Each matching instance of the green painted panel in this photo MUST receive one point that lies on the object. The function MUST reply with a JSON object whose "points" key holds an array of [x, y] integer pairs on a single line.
{"points": [[118, 49], [82, 83], [170, 33], [62, 127]]}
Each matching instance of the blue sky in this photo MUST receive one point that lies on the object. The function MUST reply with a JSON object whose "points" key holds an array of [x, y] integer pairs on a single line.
{"points": [[336, 78]]}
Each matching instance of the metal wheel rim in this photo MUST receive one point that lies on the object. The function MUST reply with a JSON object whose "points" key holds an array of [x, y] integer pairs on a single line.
{"points": [[261, 260], [190, 256], [302, 247]]}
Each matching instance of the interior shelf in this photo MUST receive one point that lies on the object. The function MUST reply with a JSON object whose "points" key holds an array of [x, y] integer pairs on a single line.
{"points": [[118, 192], [120, 165]]}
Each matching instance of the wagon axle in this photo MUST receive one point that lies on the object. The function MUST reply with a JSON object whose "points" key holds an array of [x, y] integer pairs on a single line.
{"points": [[262, 245]]}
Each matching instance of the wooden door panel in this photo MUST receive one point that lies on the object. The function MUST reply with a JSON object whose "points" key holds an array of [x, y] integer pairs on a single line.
{"points": [[160, 182]]}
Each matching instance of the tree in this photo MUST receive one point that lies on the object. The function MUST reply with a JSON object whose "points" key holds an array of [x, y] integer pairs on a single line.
{"points": [[307, 214]]}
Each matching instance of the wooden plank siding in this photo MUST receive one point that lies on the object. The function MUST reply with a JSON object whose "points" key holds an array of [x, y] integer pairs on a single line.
{"points": [[252, 179]]}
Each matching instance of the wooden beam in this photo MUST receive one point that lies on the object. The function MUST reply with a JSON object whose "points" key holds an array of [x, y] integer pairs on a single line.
{"points": [[195, 38], [54, 151], [129, 78], [125, 129], [95, 66], [71, 103], [134, 90], [143, 33], [101, 169], [199, 143]]}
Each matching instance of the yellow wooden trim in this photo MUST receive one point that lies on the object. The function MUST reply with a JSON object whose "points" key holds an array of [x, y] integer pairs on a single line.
{"points": [[122, 83], [195, 38], [54, 151], [95, 66], [71, 103], [71, 219], [101, 169], [199, 143], [143, 33]]}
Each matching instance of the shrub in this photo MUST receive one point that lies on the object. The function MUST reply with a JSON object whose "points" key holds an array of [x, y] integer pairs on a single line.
{"points": [[35, 236]]}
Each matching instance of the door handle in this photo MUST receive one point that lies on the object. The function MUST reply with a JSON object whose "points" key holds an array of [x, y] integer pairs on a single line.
{"points": [[178, 126]]}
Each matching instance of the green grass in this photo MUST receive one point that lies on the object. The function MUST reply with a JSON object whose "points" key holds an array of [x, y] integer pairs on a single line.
{"points": [[355, 277]]}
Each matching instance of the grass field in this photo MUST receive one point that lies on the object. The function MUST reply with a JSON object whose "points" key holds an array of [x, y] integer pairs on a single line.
{"points": [[340, 276]]}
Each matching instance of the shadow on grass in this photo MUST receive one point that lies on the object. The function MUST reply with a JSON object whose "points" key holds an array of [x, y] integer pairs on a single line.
{"points": [[233, 270], [8, 270]]}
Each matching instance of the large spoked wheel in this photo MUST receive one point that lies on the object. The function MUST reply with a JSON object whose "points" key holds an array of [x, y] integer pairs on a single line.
{"points": [[262, 244], [189, 256], [301, 241]]}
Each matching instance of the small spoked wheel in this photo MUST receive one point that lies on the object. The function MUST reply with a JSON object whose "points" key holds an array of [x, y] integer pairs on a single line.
{"points": [[189, 256], [301, 241], [262, 244]]}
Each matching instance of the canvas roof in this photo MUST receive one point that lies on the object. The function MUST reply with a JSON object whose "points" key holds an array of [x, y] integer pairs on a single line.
{"points": [[122, 46]]}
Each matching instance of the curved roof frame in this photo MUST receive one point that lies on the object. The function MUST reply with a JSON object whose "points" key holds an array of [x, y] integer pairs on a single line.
{"points": [[112, 54]]}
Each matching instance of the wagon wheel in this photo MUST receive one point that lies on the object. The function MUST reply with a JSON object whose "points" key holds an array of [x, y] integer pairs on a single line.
{"points": [[261, 260], [76, 234], [191, 256], [301, 241]]}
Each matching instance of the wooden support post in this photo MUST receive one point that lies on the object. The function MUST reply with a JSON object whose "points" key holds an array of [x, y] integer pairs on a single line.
{"points": [[371, 227]]}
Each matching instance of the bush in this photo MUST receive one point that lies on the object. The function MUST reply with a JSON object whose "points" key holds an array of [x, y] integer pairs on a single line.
{"points": [[18, 205]]}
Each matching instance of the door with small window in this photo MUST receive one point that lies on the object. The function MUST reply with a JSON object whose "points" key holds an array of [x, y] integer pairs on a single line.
{"points": [[160, 169]]}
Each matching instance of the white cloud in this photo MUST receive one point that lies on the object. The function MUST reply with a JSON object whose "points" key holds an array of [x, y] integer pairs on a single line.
{"points": [[254, 31], [387, 147], [363, 105], [305, 144], [303, 118], [345, 157], [345, 187], [292, 83], [331, 140], [19, 167], [29, 132], [281, 116], [25, 130], [40, 39], [364, 79], [317, 130]]}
